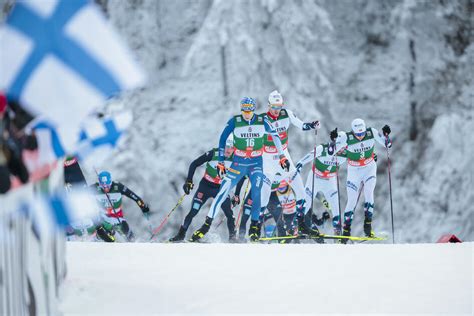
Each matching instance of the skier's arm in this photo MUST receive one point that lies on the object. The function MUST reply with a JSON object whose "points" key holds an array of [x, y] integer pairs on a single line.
{"points": [[199, 161], [309, 156], [131, 195], [380, 138], [341, 142], [275, 136], [229, 128], [299, 123]]}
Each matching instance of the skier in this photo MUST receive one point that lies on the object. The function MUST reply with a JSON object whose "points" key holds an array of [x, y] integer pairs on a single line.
{"points": [[208, 188], [109, 195], [324, 171], [248, 130], [280, 119], [361, 167]]}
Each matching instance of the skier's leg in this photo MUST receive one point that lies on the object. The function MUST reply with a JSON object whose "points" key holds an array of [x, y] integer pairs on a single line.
{"points": [[352, 185], [200, 197], [236, 172], [256, 180], [370, 180], [246, 215], [227, 209], [329, 189], [276, 211], [297, 185], [304, 225]]}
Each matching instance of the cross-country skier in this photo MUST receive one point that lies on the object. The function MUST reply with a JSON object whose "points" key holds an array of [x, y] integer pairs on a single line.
{"points": [[249, 130], [109, 195], [324, 173], [280, 119], [208, 188], [361, 167]]}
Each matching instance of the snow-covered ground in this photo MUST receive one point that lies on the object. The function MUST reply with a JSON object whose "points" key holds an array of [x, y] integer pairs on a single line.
{"points": [[146, 279]]}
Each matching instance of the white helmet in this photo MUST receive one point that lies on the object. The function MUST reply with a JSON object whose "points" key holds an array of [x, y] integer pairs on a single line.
{"points": [[358, 127], [275, 97], [230, 141]]}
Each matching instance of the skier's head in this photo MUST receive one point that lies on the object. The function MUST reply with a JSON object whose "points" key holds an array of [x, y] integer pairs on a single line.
{"points": [[247, 106], [283, 187], [105, 180], [358, 128], [275, 103], [229, 146]]}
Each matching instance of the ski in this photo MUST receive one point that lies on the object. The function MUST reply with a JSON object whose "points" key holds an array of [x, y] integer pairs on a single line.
{"points": [[322, 236]]}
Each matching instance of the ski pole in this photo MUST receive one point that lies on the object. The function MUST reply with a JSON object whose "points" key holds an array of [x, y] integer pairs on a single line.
{"points": [[390, 188], [313, 170], [158, 229], [339, 195], [150, 229], [242, 203]]}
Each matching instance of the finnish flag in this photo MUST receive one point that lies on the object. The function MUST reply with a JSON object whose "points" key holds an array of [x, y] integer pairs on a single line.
{"points": [[53, 212], [94, 143], [61, 59]]}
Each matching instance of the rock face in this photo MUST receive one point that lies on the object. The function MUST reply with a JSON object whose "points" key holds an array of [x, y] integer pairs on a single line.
{"points": [[403, 63]]}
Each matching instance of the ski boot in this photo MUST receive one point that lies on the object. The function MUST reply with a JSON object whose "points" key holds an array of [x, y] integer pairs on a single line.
{"points": [[179, 236], [254, 231], [304, 229], [346, 231], [368, 228], [198, 234], [125, 229], [232, 237], [104, 234]]}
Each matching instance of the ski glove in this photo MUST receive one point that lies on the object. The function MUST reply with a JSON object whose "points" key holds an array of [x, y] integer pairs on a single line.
{"points": [[311, 125], [284, 163], [235, 200], [143, 206], [145, 209], [333, 134], [386, 130], [221, 170], [188, 186], [326, 216]]}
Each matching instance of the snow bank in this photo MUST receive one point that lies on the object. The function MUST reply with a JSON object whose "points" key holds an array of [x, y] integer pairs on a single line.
{"points": [[140, 279]]}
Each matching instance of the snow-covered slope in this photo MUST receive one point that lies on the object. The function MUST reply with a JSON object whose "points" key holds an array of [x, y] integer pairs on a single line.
{"points": [[333, 61], [203, 279]]}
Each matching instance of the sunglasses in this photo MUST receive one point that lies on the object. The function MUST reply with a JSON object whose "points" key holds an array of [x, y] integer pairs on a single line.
{"points": [[276, 106]]}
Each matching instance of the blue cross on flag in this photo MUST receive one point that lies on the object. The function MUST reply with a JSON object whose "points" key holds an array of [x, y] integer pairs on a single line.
{"points": [[61, 59], [94, 143]]}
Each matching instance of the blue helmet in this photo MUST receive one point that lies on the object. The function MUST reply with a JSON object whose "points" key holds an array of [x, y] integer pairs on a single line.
{"points": [[105, 179], [247, 104]]}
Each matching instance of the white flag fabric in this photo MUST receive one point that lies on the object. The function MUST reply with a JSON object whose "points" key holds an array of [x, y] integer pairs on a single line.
{"points": [[56, 211], [94, 143], [61, 59]]}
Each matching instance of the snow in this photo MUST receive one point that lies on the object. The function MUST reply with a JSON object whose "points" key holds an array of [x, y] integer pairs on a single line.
{"points": [[146, 279], [333, 61]]}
